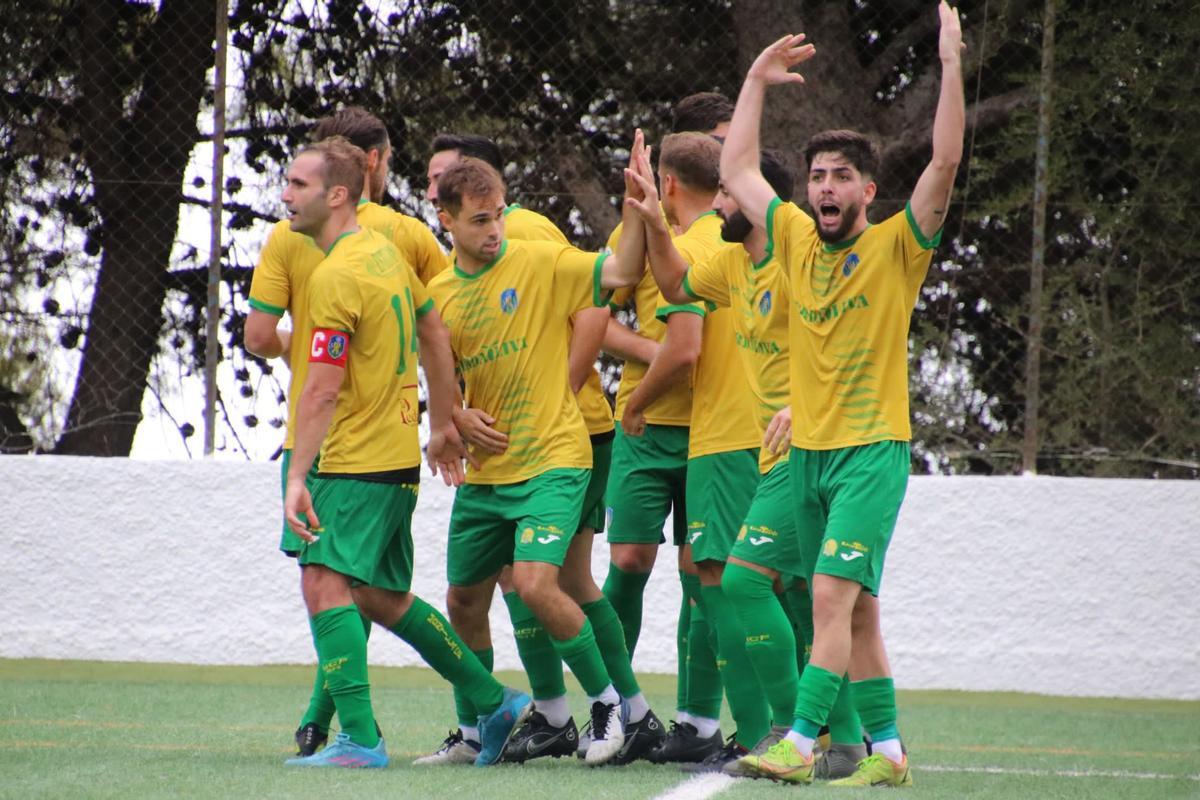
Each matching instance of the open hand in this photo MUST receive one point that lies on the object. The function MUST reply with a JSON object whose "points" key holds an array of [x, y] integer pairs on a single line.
{"points": [[773, 64]]}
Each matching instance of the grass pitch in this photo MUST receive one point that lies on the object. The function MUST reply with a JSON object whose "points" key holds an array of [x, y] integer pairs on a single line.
{"points": [[100, 729]]}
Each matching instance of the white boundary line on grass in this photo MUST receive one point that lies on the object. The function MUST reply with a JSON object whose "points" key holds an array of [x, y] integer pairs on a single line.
{"points": [[1055, 773], [701, 787]]}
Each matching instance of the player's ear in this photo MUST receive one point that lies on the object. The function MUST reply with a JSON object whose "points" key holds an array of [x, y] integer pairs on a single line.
{"points": [[445, 219], [869, 192]]}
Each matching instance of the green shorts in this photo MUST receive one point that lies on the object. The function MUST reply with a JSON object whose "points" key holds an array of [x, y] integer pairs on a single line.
{"points": [[367, 531], [593, 501], [647, 478], [289, 542], [494, 525], [846, 502], [720, 487], [768, 535]]}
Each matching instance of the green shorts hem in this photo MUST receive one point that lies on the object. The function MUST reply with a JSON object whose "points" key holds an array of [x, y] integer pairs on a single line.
{"points": [[492, 525], [720, 488], [647, 483]]}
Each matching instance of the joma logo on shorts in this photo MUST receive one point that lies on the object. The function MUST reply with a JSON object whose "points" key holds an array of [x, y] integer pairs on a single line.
{"points": [[548, 539]]}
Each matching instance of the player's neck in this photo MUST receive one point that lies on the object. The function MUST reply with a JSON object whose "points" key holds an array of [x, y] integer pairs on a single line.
{"points": [[756, 244], [689, 209], [338, 225]]}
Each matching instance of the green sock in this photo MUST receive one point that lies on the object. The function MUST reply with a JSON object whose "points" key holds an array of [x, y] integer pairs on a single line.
{"points": [[875, 699], [624, 590], [690, 589], [431, 636], [583, 657], [610, 639], [468, 714], [538, 656], [770, 641], [704, 678], [342, 653], [320, 705], [799, 608], [844, 724], [747, 700], [815, 696]]}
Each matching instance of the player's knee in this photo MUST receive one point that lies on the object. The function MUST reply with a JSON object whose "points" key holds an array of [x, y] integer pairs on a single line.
{"points": [[464, 605], [634, 557]]}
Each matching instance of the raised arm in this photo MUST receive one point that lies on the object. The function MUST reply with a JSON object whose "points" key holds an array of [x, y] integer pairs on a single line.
{"points": [[931, 197], [665, 261], [626, 265], [740, 171]]}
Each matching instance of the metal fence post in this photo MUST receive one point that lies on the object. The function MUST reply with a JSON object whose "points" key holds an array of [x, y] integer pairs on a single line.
{"points": [[1037, 266], [213, 316]]}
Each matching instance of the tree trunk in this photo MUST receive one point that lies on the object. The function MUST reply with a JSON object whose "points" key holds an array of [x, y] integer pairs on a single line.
{"points": [[137, 161]]}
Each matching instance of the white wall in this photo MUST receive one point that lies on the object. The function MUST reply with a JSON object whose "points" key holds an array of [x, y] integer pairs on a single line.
{"points": [[1048, 585]]}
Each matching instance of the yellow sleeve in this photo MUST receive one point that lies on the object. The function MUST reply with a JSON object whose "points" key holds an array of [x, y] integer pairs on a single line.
{"points": [[419, 247], [577, 279], [271, 286], [422, 298], [335, 301], [709, 279], [788, 230]]}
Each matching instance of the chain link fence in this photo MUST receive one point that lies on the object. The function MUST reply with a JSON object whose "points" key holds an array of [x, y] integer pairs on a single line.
{"points": [[1059, 328]]}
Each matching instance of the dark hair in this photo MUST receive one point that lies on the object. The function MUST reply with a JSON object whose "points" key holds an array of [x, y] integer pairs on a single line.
{"points": [[777, 173], [468, 178], [360, 127], [470, 146], [861, 152], [701, 112], [343, 164], [694, 158]]}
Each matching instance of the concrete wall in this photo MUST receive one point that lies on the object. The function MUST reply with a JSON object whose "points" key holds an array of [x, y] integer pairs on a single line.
{"points": [[1057, 586]]}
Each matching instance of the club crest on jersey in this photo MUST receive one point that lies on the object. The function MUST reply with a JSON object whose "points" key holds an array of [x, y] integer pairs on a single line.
{"points": [[764, 304], [852, 261], [508, 301], [336, 346]]}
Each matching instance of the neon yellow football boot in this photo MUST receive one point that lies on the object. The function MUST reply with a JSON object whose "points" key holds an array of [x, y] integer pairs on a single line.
{"points": [[878, 770], [781, 762]]}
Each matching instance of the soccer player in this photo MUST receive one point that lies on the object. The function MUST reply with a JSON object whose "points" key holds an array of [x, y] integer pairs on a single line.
{"points": [[707, 112], [722, 471], [507, 304], [550, 731], [649, 465], [370, 320], [280, 284], [853, 287], [746, 278]]}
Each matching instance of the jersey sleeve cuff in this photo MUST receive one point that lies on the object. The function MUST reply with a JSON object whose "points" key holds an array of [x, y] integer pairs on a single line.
{"points": [[679, 308], [425, 308], [600, 295], [687, 286], [266, 308], [926, 244], [772, 207]]}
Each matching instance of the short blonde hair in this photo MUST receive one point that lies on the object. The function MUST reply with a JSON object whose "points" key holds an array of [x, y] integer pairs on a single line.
{"points": [[343, 164]]}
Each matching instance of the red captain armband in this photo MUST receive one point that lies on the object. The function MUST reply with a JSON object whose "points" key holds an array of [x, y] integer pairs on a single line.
{"points": [[329, 346]]}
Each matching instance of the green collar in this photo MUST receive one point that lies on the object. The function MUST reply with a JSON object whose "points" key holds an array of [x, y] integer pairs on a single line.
{"points": [[835, 246], [339, 238], [468, 276], [511, 207]]}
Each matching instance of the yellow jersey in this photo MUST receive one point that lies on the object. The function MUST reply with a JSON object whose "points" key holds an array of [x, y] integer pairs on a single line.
{"points": [[364, 302], [530, 226], [286, 265], [851, 307], [757, 296], [701, 240], [508, 328]]}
